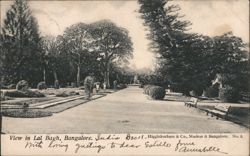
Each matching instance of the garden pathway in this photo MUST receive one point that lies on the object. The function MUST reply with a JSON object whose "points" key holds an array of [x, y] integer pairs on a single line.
{"points": [[125, 111]]}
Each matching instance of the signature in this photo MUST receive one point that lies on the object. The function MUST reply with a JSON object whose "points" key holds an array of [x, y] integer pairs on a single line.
{"points": [[191, 147]]}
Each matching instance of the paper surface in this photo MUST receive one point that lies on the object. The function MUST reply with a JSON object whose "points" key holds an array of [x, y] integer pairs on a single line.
{"points": [[209, 17]]}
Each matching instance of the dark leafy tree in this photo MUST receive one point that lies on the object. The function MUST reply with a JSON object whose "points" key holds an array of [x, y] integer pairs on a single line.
{"points": [[230, 60], [169, 40], [21, 51], [112, 44], [191, 61], [77, 43], [54, 58]]}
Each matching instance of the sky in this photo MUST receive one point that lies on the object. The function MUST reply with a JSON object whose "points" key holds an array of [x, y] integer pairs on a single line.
{"points": [[208, 17]]}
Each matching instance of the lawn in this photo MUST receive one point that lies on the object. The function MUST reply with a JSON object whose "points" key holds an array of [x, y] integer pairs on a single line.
{"points": [[14, 107]]}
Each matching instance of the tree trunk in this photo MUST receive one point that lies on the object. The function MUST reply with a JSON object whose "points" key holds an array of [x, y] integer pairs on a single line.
{"points": [[56, 82], [55, 75], [44, 75], [78, 75], [106, 74], [108, 71], [78, 71]]}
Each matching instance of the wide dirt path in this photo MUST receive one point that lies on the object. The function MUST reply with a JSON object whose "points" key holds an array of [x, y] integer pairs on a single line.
{"points": [[126, 111]]}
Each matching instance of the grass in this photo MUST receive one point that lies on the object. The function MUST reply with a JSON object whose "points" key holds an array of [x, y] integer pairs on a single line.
{"points": [[22, 113], [30, 101]]}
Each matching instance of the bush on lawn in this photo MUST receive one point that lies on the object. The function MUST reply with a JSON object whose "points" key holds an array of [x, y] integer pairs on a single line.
{"points": [[211, 92], [41, 85], [155, 92], [229, 94], [2, 86], [3, 97], [25, 113], [27, 93], [66, 94], [11, 86], [141, 85], [146, 89], [22, 85], [121, 86]]}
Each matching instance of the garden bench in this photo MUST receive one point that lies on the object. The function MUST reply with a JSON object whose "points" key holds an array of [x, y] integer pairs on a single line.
{"points": [[192, 102], [219, 111]]}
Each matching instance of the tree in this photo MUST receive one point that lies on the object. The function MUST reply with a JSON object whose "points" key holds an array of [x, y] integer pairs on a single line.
{"points": [[112, 44], [53, 56], [77, 43], [169, 41], [229, 59], [191, 61], [20, 44]]}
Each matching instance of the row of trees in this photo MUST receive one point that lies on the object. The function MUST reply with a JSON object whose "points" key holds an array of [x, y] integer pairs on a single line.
{"points": [[100, 48], [190, 61]]}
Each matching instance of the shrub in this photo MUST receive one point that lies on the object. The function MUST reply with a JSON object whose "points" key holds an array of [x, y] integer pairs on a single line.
{"points": [[62, 94], [73, 84], [211, 92], [66, 94], [229, 94], [121, 86], [27, 93], [22, 85], [2, 86], [157, 92], [141, 85], [41, 85], [3, 97], [29, 113], [11, 86], [146, 89]]}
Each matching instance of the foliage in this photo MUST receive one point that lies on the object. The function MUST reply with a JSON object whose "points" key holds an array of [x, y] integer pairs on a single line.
{"points": [[121, 86], [66, 94], [229, 94], [152, 79], [78, 46], [41, 85], [211, 92], [155, 92], [27, 93], [22, 113], [112, 43], [22, 85], [146, 89], [190, 61], [21, 56], [3, 97]]}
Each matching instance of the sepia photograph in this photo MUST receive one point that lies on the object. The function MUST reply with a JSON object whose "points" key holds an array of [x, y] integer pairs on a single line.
{"points": [[125, 67]]}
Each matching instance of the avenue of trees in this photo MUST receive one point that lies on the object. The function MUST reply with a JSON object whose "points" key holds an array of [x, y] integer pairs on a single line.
{"points": [[190, 61], [99, 48], [185, 61]]}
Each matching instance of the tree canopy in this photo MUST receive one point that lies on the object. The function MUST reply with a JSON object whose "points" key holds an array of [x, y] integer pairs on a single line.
{"points": [[189, 61], [21, 51]]}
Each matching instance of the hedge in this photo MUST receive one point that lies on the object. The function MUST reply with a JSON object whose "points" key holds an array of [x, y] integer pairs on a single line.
{"points": [[27, 93], [229, 94], [155, 92], [41, 85]]}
